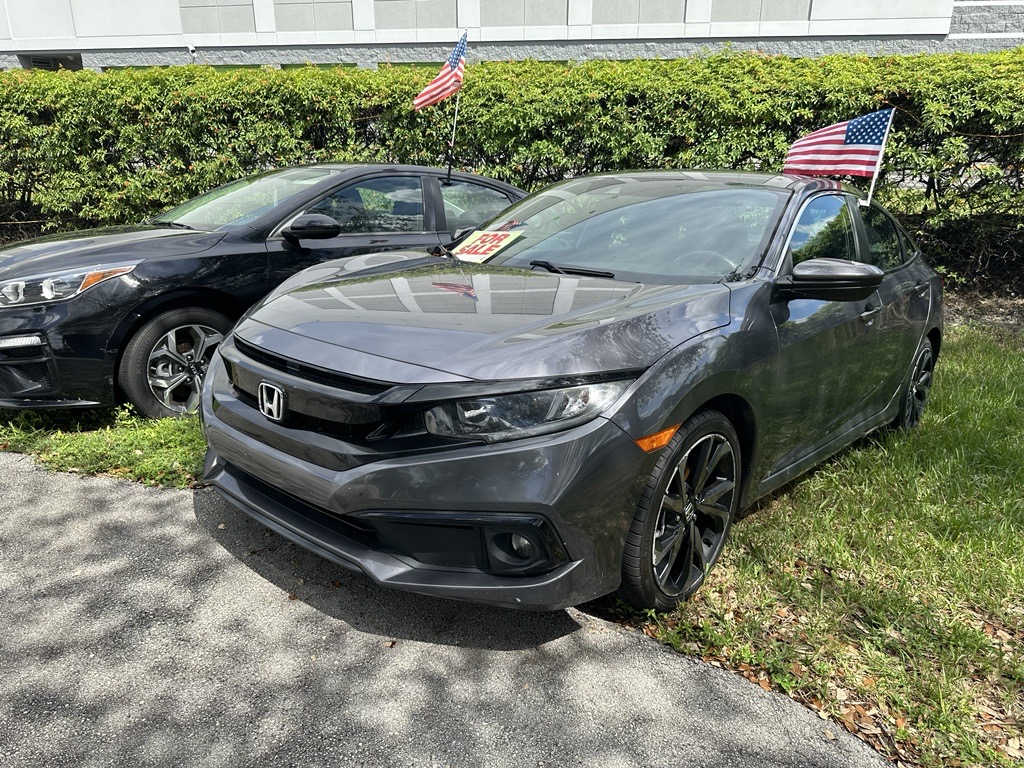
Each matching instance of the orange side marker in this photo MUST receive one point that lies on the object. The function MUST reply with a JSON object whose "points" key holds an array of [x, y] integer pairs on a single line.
{"points": [[657, 440]]}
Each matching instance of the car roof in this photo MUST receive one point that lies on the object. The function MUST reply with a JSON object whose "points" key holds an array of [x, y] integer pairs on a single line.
{"points": [[387, 166], [790, 182], [352, 168]]}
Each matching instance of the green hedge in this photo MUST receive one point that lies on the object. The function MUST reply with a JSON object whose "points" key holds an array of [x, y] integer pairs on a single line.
{"points": [[84, 148]]}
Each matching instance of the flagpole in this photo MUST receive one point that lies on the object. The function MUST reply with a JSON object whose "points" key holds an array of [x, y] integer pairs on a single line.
{"points": [[451, 144], [878, 165]]}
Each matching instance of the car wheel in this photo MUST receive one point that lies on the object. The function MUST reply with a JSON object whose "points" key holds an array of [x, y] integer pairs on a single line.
{"points": [[164, 364], [915, 395], [684, 514]]}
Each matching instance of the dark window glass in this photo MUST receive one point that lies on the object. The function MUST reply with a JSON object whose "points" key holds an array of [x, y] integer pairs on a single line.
{"points": [[825, 230], [909, 246], [467, 204], [883, 239], [388, 204]]}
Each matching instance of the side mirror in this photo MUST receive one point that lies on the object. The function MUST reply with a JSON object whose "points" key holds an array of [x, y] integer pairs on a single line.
{"points": [[830, 280], [312, 226], [459, 234]]}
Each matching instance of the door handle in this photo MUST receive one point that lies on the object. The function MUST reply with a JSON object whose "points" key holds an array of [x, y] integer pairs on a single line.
{"points": [[868, 315]]}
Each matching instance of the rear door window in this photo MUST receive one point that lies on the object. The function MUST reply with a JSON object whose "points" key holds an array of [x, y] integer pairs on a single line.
{"points": [[884, 248], [467, 204]]}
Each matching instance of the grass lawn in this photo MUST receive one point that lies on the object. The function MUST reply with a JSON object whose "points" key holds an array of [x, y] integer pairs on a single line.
{"points": [[886, 590]]}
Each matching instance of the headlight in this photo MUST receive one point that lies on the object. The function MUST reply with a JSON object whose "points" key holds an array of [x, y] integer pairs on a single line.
{"points": [[507, 417], [56, 286]]}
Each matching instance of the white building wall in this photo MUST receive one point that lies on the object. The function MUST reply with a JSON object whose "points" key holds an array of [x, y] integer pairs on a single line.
{"points": [[111, 32]]}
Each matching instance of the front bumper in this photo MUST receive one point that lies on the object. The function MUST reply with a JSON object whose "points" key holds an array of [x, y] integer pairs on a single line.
{"points": [[580, 486], [57, 356]]}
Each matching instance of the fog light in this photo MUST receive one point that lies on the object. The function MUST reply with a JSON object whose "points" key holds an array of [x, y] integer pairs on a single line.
{"points": [[18, 342], [522, 546]]}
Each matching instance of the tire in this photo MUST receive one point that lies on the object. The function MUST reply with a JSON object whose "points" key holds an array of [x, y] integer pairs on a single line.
{"points": [[681, 524], [164, 363], [915, 393]]}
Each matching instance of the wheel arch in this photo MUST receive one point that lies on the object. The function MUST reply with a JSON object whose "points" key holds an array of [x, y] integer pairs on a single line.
{"points": [[203, 298], [741, 415], [935, 337]]}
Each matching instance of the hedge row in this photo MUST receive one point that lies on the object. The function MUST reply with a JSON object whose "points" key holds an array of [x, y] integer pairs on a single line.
{"points": [[84, 148]]}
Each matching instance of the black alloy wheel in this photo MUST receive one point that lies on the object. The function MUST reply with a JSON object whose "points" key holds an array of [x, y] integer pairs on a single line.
{"points": [[915, 395], [165, 362], [684, 514]]}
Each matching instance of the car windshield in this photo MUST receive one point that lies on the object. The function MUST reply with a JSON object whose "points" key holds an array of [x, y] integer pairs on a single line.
{"points": [[654, 229], [243, 201]]}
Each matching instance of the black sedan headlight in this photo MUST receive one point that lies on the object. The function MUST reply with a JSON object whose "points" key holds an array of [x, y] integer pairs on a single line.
{"points": [[40, 289], [523, 414]]}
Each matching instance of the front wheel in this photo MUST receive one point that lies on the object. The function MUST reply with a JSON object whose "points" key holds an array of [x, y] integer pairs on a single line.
{"points": [[165, 362], [684, 514]]}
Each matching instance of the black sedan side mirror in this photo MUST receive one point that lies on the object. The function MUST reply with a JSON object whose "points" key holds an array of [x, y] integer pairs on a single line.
{"points": [[830, 280], [312, 226]]}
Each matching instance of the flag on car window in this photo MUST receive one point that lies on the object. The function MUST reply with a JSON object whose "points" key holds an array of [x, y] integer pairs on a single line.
{"points": [[448, 80], [851, 148]]}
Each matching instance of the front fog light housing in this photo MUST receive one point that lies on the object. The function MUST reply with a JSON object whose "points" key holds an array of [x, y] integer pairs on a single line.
{"points": [[521, 546], [523, 414], [506, 544]]}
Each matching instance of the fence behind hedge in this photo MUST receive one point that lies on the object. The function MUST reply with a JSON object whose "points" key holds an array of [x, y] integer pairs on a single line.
{"points": [[81, 148]]}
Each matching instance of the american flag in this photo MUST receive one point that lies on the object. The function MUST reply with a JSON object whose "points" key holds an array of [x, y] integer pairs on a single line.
{"points": [[851, 148], [448, 80], [461, 288]]}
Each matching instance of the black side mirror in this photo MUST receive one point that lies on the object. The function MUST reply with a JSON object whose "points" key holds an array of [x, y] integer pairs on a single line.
{"points": [[830, 280], [312, 226]]}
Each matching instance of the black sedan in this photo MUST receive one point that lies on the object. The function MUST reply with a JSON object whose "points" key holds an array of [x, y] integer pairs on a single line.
{"points": [[134, 313], [583, 398]]}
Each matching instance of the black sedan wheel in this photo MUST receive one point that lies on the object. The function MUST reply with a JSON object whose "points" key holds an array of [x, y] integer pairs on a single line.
{"points": [[915, 396], [164, 364], [684, 515]]}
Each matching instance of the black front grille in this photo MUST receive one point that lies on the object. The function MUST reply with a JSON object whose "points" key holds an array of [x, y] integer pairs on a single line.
{"points": [[310, 372], [21, 353], [26, 372], [351, 527], [365, 428]]}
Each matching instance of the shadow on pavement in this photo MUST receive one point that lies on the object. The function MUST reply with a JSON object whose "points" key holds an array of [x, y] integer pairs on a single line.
{"points": [[362, 604]]}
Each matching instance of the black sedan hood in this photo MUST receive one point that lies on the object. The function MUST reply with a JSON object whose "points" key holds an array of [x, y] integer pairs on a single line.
{"points": [[91, 247], [480, 322]]}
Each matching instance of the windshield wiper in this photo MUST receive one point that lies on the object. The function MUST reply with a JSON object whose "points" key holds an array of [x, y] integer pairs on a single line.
{"points": [[174, 224], [548, 266], [572, 270]]}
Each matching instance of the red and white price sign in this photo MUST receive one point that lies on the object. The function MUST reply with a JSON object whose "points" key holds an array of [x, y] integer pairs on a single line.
{"points": [[480, 246]]}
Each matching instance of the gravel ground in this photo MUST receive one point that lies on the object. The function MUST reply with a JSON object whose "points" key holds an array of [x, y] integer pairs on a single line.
{"points": [[147, 627]]}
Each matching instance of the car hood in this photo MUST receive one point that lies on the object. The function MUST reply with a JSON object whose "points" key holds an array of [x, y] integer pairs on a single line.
{"points": [[475, 321], [91, 247]]}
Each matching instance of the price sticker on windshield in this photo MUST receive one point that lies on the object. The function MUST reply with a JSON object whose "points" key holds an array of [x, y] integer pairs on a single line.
{"points": [[480, 246]]}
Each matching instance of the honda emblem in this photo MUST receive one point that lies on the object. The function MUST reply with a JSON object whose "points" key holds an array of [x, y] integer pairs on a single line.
{"points": [[271, 401]]}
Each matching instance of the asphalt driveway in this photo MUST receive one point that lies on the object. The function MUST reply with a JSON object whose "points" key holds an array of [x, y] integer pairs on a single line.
{"points": [[143, 627]]}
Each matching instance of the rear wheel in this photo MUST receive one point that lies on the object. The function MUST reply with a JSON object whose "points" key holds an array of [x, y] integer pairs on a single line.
{"points": [[915, 395], [684, 514], [165, 362]]}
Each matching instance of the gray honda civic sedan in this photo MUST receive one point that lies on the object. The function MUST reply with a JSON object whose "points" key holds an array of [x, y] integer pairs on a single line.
{"points": [[583, 394]]}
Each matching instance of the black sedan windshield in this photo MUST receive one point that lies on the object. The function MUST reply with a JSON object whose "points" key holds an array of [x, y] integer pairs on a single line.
{"points": [[676, 230], [242, 201]]}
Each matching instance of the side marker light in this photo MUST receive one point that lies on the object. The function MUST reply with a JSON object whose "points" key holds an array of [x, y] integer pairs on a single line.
{"points": [[657, 440]]}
